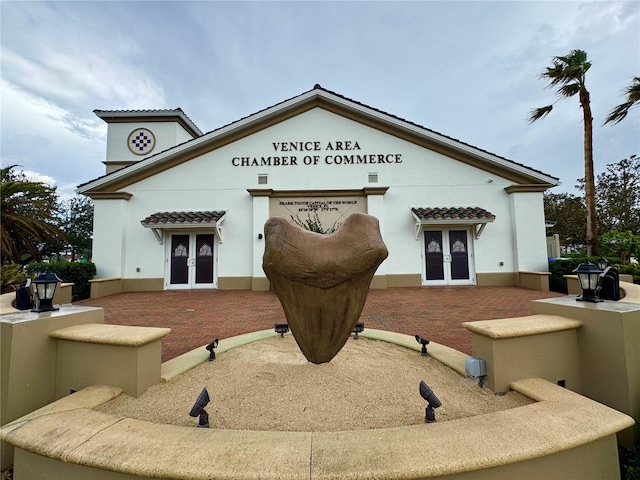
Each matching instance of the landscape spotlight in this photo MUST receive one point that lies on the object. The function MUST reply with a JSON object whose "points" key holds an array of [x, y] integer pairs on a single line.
{"points": [[281, 328], [424, 342], [432, 400], [198, 409], [210, 347], [358, 329]]}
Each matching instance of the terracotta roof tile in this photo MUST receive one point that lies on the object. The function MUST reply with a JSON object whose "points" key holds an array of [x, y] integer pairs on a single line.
{"points": [[453, 213], [108, 115], [189, 218]]}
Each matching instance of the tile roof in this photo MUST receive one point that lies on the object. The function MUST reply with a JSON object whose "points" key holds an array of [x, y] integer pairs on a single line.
{"points": [[319, 87], [453, 213], [110, 115], [182, 218], [316, 87]]}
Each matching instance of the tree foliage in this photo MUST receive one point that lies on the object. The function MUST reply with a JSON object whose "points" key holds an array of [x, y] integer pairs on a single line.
{"points": [[567, 214], [568, 74], [28, 216], [76, 221], [618, 196], [11, 274], [620, 244]]}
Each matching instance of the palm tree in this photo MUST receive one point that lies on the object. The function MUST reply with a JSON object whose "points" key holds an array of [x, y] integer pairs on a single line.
{"points": [[27, 212], [633, 99], [568, 74]]}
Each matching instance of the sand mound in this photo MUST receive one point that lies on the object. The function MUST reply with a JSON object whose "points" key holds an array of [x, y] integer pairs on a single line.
{"points": [[269, 385]]}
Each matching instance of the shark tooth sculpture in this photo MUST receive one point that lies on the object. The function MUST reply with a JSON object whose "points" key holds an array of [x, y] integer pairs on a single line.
{"points": [[322, 281]]}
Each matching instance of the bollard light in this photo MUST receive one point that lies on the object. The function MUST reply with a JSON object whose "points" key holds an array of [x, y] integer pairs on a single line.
{"points": [[45, 287], [589, 276]]}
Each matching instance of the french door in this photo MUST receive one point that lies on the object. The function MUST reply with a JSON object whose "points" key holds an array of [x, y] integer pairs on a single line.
{"points": [[191, 259], [448, 257]]}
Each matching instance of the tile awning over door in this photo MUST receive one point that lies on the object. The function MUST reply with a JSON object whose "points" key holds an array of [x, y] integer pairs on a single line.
{"points": [[476, 216], [185, 220]]}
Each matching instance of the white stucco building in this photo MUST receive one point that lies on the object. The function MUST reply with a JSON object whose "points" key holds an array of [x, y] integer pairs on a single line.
{"points": [[179, 209]]}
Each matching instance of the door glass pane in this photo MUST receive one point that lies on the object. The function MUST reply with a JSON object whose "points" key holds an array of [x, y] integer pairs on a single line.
{"points": [[459, 255], [179, 257], [434, 254], [204, 258]]}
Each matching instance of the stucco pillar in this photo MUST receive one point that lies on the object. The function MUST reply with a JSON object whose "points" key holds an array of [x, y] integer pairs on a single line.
{"points": [[529, 239], [110, 220], [259, 280], [375, 207]]}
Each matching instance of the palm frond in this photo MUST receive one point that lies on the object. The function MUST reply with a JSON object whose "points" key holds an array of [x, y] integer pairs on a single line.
{"points": [[579, 56], [618, 113], [632, 93], [567, 69], [538, 113], [569, 90]]}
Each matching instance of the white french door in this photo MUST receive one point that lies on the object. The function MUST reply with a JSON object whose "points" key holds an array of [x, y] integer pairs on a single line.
{"points": [[191, 261], [448, 257]]}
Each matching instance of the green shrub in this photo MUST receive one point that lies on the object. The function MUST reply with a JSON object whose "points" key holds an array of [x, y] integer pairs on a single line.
{"points": [[77, 273], [631, 269], [629, 463], [10, 277], [560, 268]]}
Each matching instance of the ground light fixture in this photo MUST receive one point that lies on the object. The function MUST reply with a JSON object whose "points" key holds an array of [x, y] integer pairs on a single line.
{"points": [[359, 328], [211, 347], [281, 328], [432, 402], [589, 276], [45, 287], [424, 342], [198, 409]]}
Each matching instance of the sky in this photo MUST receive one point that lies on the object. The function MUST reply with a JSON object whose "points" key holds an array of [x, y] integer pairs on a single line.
{"points": [[467, 69]]}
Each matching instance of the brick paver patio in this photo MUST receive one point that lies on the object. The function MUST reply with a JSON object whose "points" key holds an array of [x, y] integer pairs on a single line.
{"points": [[196, 317]]}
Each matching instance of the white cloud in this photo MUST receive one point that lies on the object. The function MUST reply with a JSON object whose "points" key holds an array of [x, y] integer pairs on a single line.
{"points": [[37, 177], [466, 69], [48, 140], [74, 55]]}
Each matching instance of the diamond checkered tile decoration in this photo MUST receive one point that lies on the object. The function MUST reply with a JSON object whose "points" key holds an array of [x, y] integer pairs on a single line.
{"points": [[141, 141]]}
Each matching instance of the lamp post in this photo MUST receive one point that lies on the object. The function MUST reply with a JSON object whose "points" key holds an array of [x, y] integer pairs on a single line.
{"points": [[589, 276], [602, 263], [45, 287]]}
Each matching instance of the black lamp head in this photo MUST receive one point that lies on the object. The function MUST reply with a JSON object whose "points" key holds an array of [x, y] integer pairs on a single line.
{"points": [[201, 402], [602, 263], [211, 347], [281, 328], [427, 394], [199, 411], [424, 342], [433, 402], [359, 328]]}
